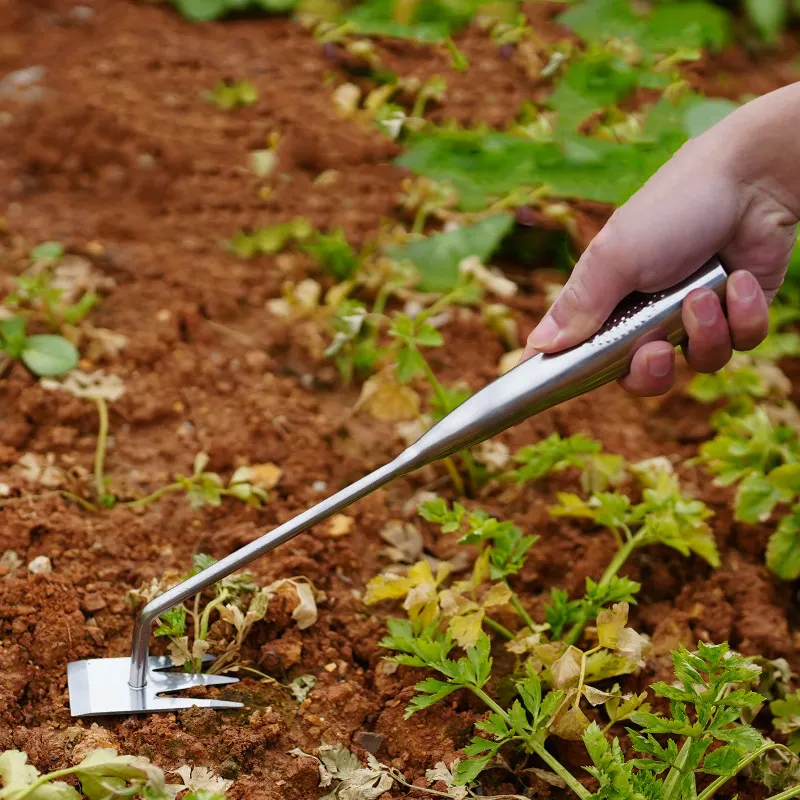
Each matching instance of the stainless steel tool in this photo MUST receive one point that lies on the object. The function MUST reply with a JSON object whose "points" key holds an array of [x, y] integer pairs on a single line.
{"points": [[136, 684]]}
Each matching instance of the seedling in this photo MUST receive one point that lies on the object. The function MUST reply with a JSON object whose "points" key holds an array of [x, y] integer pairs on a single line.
{"points": [[101, 774], [236, 601], [43, 354], [664, 516], [270, 240], [598, 470], [763, 458], [230, 94], [204, 488]]}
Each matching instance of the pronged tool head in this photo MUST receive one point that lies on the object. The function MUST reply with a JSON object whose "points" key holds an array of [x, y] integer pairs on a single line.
{"points": [[99, 686]]}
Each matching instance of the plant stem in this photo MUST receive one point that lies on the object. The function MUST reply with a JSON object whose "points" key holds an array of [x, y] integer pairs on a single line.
{"points": [[458, 483], [786, 794], [712, 787], [524, 615], [471, 467], [672, 781], [156, 495], [43, 779], [498, 628], [100, 448], [538, 748], [612, 569]]}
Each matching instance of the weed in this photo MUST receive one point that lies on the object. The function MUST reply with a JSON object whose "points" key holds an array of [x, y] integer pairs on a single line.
{"points": [[42, 354], [230, 94], [219, 622], [101, 774]]}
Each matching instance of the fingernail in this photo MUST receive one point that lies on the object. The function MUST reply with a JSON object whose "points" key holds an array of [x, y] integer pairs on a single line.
{"points": [[743, 287], [545, 333], [705, 309], [659, 364]]}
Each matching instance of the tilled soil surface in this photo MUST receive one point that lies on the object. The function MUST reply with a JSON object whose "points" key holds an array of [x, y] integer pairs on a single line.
{"points": [[116, 154]]}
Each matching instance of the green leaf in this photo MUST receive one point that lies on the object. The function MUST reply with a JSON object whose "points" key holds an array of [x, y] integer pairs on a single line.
{"points": [[783, 548], [667, 27], [756, 498], [15, 772], [52, 251], [701, 116], [334, 254], [468, 770], [172, 622], [410, 362], [47, 355], [769, 17], [437, 257], [723, 761]]}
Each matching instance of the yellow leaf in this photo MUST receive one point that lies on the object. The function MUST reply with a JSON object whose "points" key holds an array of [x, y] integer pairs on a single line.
{"points": [[610, 624], [566, 671], [466, 629], [480, 570], [265, 476], [454, 604], [387, 587], [613, 634], [339, 525], [305, 613], [387, 400], [498, 595]]}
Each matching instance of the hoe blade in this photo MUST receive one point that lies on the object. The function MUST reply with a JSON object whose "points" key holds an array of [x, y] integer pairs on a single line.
{"points": [[99, 686]]}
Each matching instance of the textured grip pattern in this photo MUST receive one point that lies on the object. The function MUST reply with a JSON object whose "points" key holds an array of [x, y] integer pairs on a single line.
{"points": [[635, 312]]}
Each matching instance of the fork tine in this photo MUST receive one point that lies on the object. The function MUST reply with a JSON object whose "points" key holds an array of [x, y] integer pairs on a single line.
{"points": [[176, 683]]}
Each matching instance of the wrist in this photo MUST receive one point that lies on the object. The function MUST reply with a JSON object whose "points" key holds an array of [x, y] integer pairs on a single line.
{"points": [[758, 146]]}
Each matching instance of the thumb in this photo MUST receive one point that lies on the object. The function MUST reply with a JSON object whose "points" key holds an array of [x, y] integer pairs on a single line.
{"points": [[598, 282]]}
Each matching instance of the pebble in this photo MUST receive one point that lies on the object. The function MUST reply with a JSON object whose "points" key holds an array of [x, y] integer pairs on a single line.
{"points": [[371, 742], [5, 490], [40, 565], [23, 84], [82, 14], [319, 486]]}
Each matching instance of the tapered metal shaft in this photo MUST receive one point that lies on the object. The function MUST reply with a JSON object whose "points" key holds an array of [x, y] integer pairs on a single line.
{"points": [[533, 386]]}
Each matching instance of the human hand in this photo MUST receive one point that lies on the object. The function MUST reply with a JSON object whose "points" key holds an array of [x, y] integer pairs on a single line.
{"points": [[734, 190]]}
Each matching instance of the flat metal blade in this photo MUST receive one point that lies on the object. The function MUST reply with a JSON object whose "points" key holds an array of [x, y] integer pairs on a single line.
{"points": [[99, 687]]}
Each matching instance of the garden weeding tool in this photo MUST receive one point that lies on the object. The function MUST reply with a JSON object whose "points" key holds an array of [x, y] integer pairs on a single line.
{"points": [[137, 684]]}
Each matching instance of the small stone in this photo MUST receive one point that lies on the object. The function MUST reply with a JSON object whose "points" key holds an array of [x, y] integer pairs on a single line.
{"points": [[332, 667], [82, 13], [319, 486], [371, 742], [93, 602], [40, 565], [5, 490], [256, 359]]}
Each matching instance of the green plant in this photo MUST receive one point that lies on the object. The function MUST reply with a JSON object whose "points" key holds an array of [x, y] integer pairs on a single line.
{"points": [[555, 454], [334, 254], [763, 458], [42, 354], [37, 297], [705, 708], [270, 240], [101, 774], [230, 94], [208, 489], [217, 622], [664, 516]]}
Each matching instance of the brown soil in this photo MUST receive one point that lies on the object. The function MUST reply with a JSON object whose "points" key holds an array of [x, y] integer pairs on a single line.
{"points": [[123, 161]]}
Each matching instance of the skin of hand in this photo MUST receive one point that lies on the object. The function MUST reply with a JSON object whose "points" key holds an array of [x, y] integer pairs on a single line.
{"points": [[734, 190]]}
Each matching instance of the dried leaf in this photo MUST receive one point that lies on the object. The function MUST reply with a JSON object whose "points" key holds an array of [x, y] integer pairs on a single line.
{"points": [[88, 385], [565, 672], [339, 525], [492, 454], [498, 595], [265, 476], [202, 778], [43, 471], [405, 540], [570, 723], [387, 400], [441, 773], [509, 360], [613, 634], [305, 614], [11, 561], [492, 281]]}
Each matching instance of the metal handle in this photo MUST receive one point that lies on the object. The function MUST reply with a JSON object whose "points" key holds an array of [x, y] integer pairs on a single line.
{"points": [[546, 380], [533, 386]]}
